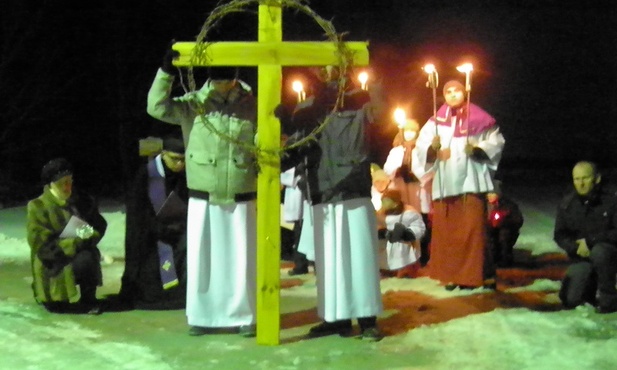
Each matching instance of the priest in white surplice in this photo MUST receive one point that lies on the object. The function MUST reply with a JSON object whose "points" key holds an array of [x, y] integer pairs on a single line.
{"points": [[463, 149], [221, 177]]}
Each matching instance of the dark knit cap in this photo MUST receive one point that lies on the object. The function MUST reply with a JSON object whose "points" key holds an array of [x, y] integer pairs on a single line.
{"points": [[173, 144], [56, 169], [223, 73]]}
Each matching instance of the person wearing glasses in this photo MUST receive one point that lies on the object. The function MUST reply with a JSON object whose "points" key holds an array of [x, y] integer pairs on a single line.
{"points": [[155, 244]]}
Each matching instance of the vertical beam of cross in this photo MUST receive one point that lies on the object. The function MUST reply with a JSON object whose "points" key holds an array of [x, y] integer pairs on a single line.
{"points": [[269, 80]]}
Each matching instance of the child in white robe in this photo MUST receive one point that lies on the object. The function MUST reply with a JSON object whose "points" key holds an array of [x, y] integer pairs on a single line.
{"points": [[404, 228]]}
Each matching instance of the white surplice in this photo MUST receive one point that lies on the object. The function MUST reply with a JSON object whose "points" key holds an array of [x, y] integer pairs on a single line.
{"points": [[400, 254], [346, 262], [221, 264], [459, 174], [306, 245]]}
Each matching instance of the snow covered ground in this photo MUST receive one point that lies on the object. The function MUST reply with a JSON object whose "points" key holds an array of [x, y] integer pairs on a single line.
{"points": [[501, 338]]}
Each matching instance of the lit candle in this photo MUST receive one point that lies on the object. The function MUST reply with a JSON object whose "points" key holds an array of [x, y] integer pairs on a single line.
{"points": [[432, 76], [363, 78], [400, 117], [466, 68], [432, 83], [299, 89], [429, 68]]}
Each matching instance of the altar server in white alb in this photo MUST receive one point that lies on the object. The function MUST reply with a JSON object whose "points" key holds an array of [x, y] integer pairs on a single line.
{"points": [[345, 226], [463, 147], [221, 178], [404, 228]]}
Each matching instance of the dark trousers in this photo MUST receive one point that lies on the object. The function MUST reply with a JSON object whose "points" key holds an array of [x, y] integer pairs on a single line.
{"points": [[586, 277], [301, 264], [425, 253], [501, 241], [87, 270]]}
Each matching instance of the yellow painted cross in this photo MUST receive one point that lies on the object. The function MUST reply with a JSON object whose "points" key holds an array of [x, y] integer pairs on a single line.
{"points": [[269, 54]]}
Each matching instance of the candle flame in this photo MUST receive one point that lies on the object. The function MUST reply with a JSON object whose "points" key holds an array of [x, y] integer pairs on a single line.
{"points": [[363, 77], [297, 86], [400, 117], [465, 68], [429, 68]]}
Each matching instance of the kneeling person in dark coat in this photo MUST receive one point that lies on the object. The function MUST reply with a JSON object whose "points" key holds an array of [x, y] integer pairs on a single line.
{"points": [[155, 245], [64, 227], [504, 223], [586, 228]]}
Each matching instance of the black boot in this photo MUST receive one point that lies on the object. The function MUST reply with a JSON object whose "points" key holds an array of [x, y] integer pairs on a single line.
{"points": [[368, 329], [88, 300], [341, 327]]}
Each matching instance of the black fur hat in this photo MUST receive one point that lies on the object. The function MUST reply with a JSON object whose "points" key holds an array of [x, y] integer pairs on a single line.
{"points": [[56, 169]]}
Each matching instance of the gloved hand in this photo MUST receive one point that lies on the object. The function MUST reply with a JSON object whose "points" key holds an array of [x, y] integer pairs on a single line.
{"points": [[167, 65], [396, 234], [478, 154], [400, 233]]}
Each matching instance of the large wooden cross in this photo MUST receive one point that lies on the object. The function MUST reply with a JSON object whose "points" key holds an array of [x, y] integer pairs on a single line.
{"points": [[270, 54]]}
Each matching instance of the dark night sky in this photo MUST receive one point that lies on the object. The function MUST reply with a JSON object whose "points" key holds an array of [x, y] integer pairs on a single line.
{"points": [[74, 75]]}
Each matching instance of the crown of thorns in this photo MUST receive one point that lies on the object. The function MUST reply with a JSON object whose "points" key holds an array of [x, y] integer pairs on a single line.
{"points": [[199, 57]]}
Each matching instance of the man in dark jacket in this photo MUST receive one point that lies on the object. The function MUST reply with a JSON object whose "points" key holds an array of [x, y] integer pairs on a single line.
{"points": [[338, 185], [586, 228], [155, 244], [64, 227]]}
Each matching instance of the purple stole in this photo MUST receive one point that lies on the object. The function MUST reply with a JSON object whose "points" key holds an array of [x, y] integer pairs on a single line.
{"points": [[156, 193], [479, 120]]}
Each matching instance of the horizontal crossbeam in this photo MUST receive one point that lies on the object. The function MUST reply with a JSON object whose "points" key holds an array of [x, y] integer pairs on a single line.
{"points": [[285, 53]]}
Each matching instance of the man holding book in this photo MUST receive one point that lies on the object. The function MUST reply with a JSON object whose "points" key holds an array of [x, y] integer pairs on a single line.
{"points": [[155, 245]]}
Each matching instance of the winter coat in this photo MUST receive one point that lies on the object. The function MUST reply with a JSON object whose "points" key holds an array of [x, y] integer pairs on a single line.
{"points": [[504, 222], [50, 255], [593, 218], [338, 165], [216, 168]]}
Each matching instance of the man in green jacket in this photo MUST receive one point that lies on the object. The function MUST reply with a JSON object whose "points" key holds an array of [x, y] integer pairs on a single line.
{"points": [[63, 229], [219, 127]]}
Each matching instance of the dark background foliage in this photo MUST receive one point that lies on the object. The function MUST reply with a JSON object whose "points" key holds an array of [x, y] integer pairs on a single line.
{"points": [[74, 75]]}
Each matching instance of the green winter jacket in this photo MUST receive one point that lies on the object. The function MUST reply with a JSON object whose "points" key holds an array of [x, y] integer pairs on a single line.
{"points": [[50, 256], [219, 162]]}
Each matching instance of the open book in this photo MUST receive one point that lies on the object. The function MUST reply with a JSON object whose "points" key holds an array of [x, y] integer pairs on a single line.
{"points": [[174, 209]]}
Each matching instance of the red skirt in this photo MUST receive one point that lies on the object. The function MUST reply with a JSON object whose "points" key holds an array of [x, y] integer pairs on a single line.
{"points": [[458, 241]]}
